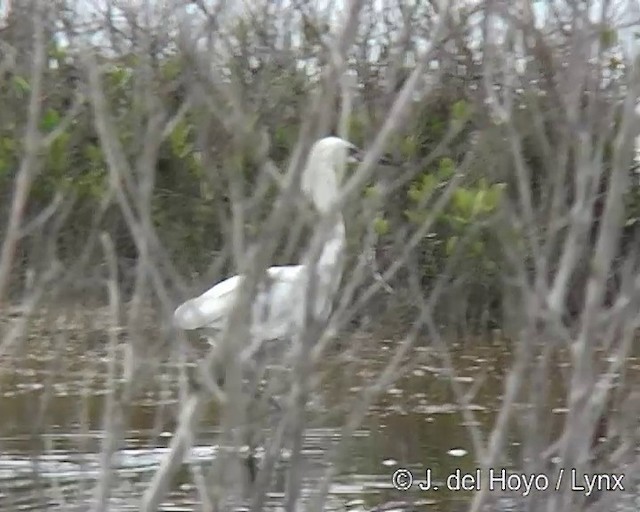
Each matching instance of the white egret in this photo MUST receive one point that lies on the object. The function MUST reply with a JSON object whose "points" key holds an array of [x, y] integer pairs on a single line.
{"points": [[278, 308]]}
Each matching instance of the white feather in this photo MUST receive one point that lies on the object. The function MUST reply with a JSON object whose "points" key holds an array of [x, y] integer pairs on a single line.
{"points": [[279, 305]]}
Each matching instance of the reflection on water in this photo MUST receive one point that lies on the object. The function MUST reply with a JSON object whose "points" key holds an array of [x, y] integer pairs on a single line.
{"points": [[416, 424], [66, 470]]}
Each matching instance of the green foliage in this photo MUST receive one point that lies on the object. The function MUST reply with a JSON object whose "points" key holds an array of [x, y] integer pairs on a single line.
{"points": [[460, 222], [422, 190], [381, 225], [284, 139], [371, 192], [8, 148], [187, 198], [446, 168], [56, 52], [58, 157], [180, 140], [92, 183], [49, 120], [468, 204], [409, 146], [171, 69], [21, 86], [460, 110], [356, 129], [118, 84]]}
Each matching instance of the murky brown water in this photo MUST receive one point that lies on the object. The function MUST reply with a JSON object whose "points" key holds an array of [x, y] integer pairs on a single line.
{"points": [[415, 424]]}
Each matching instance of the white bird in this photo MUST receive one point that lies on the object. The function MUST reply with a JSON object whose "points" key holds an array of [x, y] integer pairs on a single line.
{"points": [[278, 308]]}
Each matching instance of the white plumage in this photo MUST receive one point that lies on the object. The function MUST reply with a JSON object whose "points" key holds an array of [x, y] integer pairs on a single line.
{"points": [[278, 308]]}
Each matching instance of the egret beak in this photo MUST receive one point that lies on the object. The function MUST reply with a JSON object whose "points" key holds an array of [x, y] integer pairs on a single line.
{"points": [[356, 156]]}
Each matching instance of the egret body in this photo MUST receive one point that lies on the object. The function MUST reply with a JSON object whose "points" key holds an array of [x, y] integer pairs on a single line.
{"points": [[278, 309]]}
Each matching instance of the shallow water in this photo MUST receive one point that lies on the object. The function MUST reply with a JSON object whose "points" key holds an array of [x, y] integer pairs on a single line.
{"points": [[415, 424]]}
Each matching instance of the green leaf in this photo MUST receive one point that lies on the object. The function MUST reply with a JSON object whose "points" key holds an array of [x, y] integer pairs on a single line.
{"points": [[180, 140], [493, 197], [119, 76], [59, 154], [457, 221], [409, 146], [433, 128], [414, 193], [7, 145], [419, 192], [416, 217], [285, 135], [463, 201], [56, 52], [460, 110], [371, 192], [429, 184], [446, 168], [171, 69], [381, 226], [194, 163], [21, 84], [92, 182], [478, 247], [478, 202], [93, 153], [50, 120]]}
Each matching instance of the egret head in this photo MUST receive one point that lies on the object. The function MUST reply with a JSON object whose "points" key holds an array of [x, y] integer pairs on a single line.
{"points": [[325, 170]]}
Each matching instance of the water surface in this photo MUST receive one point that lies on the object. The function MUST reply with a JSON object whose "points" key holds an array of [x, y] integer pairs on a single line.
{"points": [[59, 384]]}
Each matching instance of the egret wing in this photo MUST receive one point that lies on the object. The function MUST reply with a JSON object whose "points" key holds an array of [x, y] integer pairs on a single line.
{"points": [[209, 309]]}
